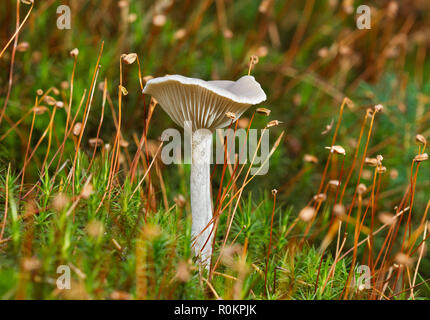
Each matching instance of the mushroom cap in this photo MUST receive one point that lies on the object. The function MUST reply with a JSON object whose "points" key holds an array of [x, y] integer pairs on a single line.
{"points": [[204, 103]]}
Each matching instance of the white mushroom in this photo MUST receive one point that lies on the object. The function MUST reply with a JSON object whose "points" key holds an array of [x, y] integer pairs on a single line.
{"points": [[201, 106]]}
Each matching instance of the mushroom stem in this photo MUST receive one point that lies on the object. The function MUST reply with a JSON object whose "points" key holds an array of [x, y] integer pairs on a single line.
{"points": [[201, 198]]}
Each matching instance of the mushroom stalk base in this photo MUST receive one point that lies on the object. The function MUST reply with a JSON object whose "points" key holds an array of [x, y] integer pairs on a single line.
{"points": [[201, 198]]}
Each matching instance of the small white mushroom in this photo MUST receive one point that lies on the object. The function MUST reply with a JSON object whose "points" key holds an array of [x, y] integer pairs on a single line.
{"points": [[201, 106]]}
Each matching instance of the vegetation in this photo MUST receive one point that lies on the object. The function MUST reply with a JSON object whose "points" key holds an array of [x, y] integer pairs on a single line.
{"points": [[82, 185]]}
